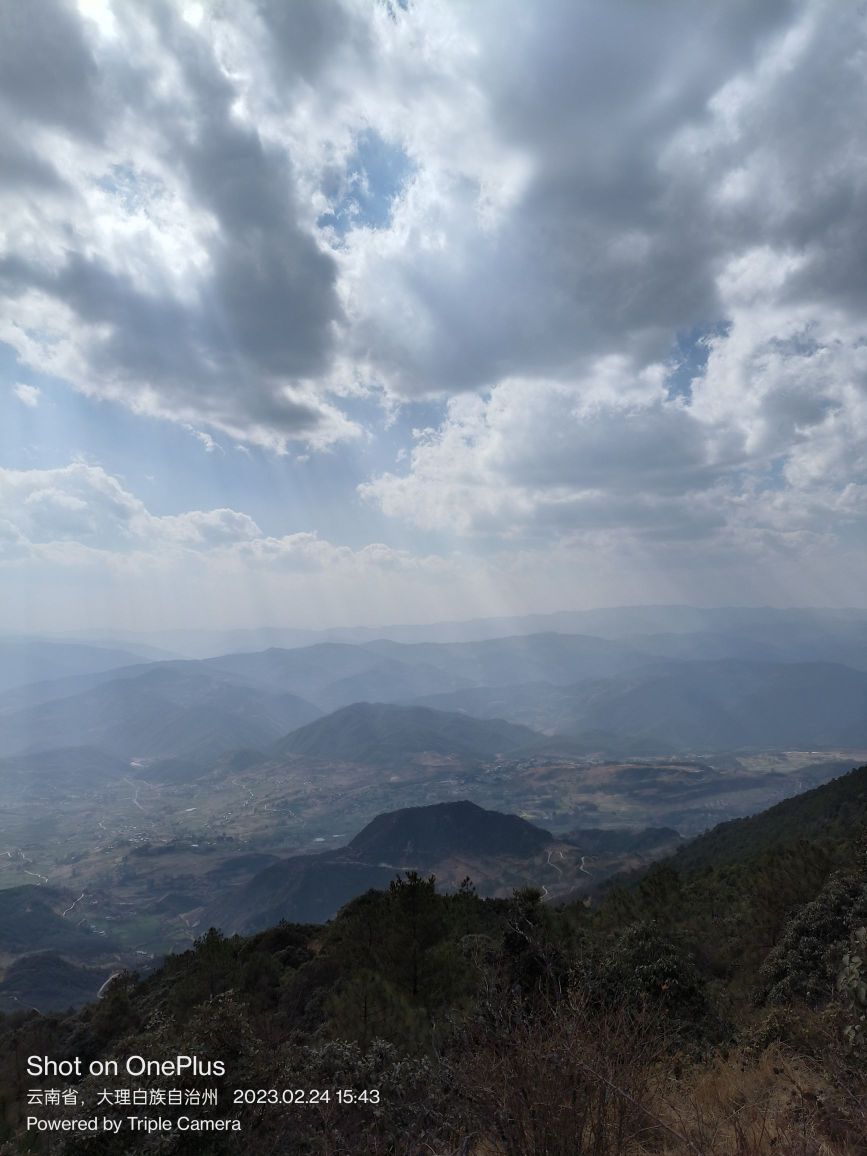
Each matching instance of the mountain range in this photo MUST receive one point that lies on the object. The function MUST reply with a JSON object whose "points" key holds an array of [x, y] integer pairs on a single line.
{"points": [[654, 680], [792, 633]]}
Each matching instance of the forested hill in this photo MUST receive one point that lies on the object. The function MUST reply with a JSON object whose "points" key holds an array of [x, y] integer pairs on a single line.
{"points": [[731, 891], [712, 1010], [833, 815]]}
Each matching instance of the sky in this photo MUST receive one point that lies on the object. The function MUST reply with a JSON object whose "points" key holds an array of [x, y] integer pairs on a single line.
{"points": [[359, 312]]}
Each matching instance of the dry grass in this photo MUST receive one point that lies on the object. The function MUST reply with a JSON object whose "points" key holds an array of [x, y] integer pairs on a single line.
{"points": [[751, 1106], [573, 1083]]}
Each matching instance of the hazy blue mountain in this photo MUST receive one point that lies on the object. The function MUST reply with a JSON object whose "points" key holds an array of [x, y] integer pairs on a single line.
{"points": [[706, 645], [337, 674], [724, 704], [382, 733], [704, 679], [787, 628], [553, 658], [167, 710], [34, 693], [539, 705], [731, 704], [63, 767], [25, 660]]}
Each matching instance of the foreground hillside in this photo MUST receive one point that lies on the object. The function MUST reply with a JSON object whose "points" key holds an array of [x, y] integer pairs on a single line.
{"points": [[716, 1007]]}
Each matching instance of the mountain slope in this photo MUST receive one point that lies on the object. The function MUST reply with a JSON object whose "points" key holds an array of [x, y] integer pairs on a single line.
{"points": [[731, 892], [553, 658], [31, 920], [25, 660], [68, 768], [45, 981], [691, 705], [336, 674], [834, 813], [380, 732], [303, 889]]}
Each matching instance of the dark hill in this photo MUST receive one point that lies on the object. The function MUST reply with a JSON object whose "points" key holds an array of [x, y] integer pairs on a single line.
{"points": [[427, 834], [312, 888], [303, 889], [31, 920], [379, 732], [48, 982]]}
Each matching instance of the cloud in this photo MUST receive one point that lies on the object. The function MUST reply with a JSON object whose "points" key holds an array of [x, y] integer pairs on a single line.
{"points": [[666, 192], [620, 247], [175, 271], [553, 220], [81, 515], [77, 546], [539, 459], [28, 395]]}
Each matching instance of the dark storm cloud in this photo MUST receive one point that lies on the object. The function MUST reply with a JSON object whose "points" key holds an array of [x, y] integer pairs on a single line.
{"points": [[47, 70], [606, 249], [305, 36], [261, 317], [23, 169]]}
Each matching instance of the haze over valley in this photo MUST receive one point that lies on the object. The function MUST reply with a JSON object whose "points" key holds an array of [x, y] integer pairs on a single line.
{"points": [[146, 794]]}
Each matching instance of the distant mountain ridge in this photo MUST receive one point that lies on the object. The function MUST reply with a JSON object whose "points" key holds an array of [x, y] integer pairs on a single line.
{"points": [[26, 660], [675, 706], [655, 680], [166, 710], [774, 625]]}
